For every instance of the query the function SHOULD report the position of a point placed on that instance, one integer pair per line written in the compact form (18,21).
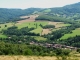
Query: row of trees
(54,18)
(47,26)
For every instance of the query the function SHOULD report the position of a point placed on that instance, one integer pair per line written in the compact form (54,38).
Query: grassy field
(47,10)
(65,25)
(39,38)
(3,26)
(39,29)
(3,36)
(29,24)
(74,33)
(55,29)
(25,24)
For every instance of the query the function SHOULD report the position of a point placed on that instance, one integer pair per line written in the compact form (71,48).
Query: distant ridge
(7,14)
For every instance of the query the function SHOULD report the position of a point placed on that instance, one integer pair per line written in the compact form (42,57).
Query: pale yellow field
(26,58)
(35,58)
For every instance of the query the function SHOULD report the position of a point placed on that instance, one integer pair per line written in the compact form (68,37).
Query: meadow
(74,33)
(2,26)
(39,38)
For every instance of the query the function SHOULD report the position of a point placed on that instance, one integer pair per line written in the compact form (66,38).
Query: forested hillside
(69,11)
(8,15)
(73,8)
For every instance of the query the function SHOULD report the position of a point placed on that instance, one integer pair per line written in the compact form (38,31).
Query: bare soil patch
(46,31)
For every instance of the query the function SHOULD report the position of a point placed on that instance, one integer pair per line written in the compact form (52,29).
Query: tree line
(19,32)
(54,18)
(47,26)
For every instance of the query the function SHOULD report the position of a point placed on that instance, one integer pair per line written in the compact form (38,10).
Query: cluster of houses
(53,45)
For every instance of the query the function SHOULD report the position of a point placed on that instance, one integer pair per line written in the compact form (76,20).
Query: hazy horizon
(23,4)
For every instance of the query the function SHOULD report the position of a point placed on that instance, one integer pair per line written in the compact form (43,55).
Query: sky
(23,4)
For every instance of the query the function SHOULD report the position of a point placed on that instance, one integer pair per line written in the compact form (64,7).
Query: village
(54,45)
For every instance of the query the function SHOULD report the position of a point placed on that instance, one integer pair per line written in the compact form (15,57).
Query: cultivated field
(39,38)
